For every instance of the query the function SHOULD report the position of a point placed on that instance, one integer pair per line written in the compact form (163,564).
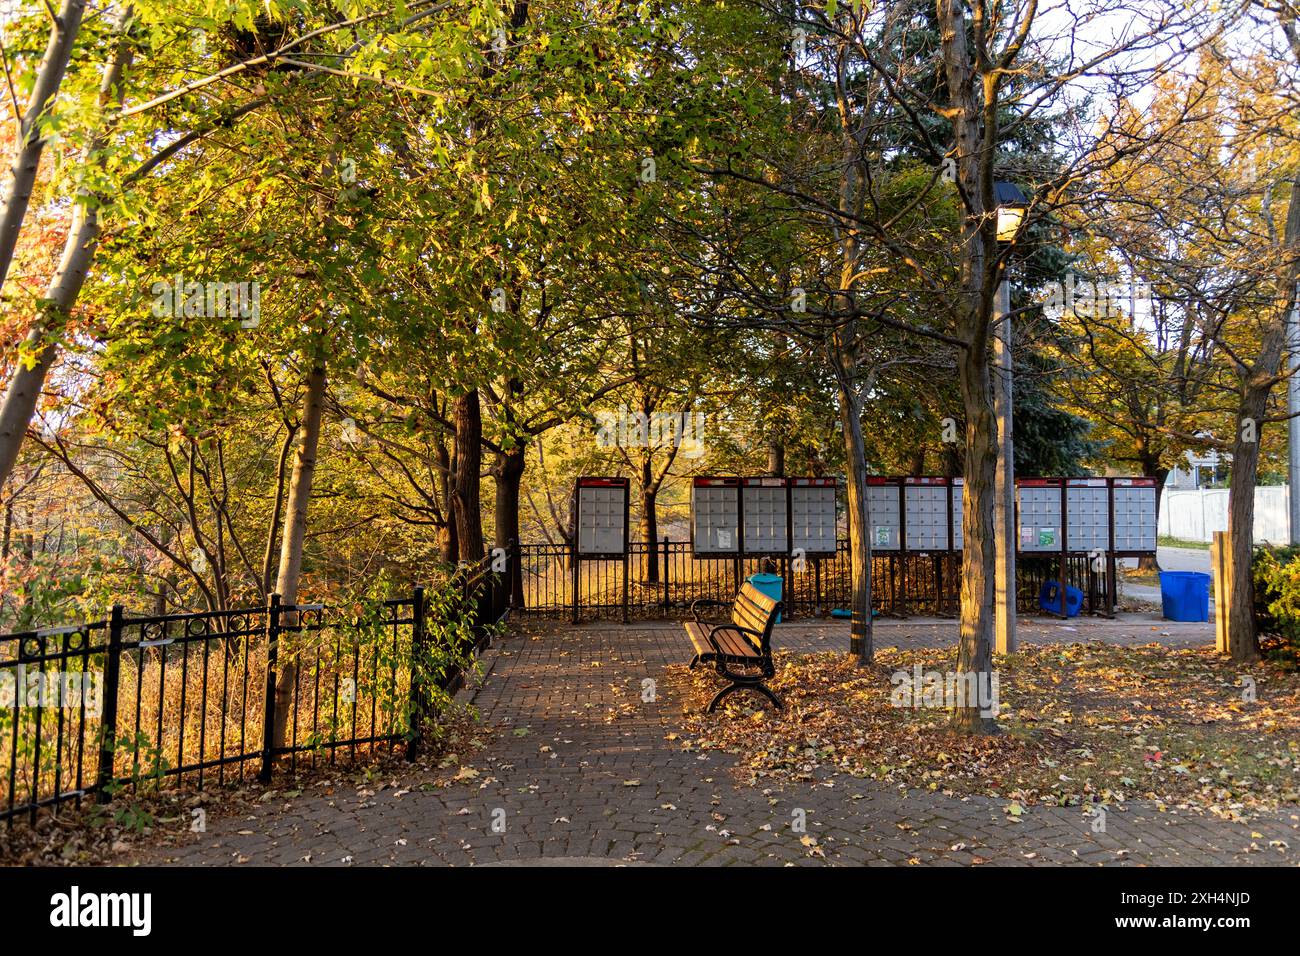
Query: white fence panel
(1195,514)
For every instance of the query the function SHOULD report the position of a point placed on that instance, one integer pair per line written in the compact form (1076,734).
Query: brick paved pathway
(581,769)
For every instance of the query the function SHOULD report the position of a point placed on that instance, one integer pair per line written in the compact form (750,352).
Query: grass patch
(1081,724)
(1165,541)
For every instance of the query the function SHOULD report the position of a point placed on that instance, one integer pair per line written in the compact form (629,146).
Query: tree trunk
(775,458)
(447,541)
(917,464)
(277,512)
(509,476)
(27,157)
(973,95)
(1243,646)
(975,647)
(25,386)
(1151,469)
(295,535)
(1257,382)
(649,491)
(468,420)
(650,533)
(950,460)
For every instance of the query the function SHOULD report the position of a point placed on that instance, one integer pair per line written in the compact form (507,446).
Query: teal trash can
(769,584)
(1185,595)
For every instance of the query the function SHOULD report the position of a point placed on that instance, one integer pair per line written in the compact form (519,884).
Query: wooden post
(1222,597)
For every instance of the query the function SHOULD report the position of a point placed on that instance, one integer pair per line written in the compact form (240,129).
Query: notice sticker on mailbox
(1039,509)
(884,505)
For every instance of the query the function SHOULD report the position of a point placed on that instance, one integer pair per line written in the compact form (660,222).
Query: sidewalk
(584,771)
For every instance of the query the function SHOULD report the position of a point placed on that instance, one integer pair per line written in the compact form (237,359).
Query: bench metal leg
(694,660)
(732,688)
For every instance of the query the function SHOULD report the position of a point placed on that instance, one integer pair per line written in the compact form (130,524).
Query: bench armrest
(704,602)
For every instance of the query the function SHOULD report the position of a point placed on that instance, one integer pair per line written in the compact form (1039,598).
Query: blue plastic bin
(769,584)
(1185,595)
(1049,599)
(845,612)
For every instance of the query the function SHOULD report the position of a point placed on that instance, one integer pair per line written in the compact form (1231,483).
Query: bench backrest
(756,611)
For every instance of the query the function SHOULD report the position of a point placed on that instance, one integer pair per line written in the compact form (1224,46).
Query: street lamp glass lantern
(1012,204)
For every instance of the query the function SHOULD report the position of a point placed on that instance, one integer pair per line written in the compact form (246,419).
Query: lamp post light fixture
(1011,208)
(1012,205)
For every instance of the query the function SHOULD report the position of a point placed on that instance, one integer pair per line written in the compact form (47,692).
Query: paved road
(583,771)
(1184,559)
(1170,559)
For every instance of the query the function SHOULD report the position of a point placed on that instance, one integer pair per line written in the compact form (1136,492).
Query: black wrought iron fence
(94,708)
(665,579)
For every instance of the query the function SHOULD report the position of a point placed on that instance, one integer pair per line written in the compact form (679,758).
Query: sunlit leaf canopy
(486,223)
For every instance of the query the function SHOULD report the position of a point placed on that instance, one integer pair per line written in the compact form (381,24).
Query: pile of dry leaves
(1081,723)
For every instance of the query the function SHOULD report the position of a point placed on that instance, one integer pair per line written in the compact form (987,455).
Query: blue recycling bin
(1049,599)
(1185,595)
(769,584)
(846,613)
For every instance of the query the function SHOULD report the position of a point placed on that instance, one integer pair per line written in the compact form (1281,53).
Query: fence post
(108,723)
(472,598)
(463,569)
(664,573)
(417,672)
(817,586)
(573,562)
(268,705)
(514,574)
(626,569)
(1112,583)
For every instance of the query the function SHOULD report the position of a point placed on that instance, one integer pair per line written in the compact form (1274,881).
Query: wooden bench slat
(735,644)
(753,609)
(749,618)
(731,642)
(698,635)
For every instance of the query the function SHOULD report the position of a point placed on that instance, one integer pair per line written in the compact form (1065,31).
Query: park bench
(740,649)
